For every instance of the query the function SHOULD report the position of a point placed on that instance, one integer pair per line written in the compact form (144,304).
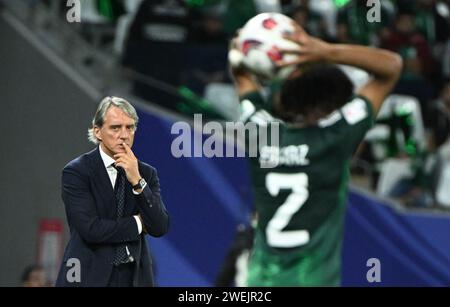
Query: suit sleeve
(82,214)
(151,207)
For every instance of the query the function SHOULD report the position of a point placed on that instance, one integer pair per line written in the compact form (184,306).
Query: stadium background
(52,76)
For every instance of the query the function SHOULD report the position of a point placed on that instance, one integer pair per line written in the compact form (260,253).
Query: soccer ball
(260,42)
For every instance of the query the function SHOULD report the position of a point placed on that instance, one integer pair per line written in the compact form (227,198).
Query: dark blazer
(94,229)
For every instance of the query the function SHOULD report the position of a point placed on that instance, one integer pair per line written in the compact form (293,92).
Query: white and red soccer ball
(260,42)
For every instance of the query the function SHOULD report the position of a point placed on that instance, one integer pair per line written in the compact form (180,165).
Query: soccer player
(300,203)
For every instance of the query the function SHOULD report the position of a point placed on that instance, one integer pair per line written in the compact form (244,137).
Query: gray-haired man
(111,199)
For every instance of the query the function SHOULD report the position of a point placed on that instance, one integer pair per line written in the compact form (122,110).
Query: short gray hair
(103,107)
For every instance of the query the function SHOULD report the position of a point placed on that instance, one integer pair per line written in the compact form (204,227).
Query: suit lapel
(104,184)
(106,189)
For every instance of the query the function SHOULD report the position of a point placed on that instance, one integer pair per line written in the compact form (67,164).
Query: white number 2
(298,183)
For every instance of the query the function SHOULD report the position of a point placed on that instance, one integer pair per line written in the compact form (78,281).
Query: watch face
(142,182)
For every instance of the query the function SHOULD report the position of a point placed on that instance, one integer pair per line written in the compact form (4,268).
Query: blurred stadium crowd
(174,53)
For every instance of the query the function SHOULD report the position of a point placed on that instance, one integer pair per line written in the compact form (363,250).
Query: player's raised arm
(384,66)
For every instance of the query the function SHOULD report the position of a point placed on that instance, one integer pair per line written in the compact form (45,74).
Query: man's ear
(97,133)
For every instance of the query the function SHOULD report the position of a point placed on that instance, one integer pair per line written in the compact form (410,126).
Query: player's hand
(311,49)
(244,80)
(236,59)
(128,161)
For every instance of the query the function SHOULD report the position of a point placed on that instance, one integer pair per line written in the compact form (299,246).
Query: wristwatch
(140,185)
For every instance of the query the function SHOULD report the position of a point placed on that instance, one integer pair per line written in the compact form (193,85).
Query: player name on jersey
(272,156)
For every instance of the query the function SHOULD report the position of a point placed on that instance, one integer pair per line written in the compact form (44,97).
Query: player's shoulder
(254,109)
(251,102)
(356,110)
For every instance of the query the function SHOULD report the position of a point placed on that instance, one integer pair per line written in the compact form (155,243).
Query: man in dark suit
(111,201)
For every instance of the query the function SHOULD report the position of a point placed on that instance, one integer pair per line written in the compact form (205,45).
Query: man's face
(117,128)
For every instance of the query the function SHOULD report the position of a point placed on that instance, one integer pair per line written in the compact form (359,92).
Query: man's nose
(124,133)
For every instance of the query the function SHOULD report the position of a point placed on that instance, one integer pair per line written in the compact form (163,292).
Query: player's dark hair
(319,90)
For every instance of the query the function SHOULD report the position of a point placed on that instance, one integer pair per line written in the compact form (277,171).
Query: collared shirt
(112,174)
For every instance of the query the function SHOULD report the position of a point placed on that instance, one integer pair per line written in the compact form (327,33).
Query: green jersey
(300,188)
